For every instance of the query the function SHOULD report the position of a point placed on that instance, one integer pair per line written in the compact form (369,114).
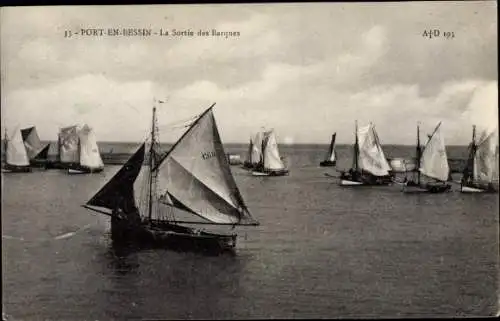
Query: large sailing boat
(370,166)
(16,157)
(254,151)
(331,156)
(37,152)
(193,178)
(432,162)
(481,170)
(88,159)
(271,163)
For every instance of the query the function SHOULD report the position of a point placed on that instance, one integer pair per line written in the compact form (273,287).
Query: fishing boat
(370,166)
(481,170)
(254,151)
(193,178)
(87,158)
(37,152)
(272,163)
(16,157)
(331,156)
(432,163)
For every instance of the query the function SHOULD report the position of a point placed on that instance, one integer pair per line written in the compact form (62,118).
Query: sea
(321,251)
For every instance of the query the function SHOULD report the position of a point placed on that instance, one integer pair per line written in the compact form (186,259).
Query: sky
(306,70)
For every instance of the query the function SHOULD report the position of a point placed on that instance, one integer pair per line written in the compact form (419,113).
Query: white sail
(68,145)
(272,159)
(486,158)
(197,176)
(371,157)
(32,141)
(256,155)
(89,151)
(16,152)
(434,162)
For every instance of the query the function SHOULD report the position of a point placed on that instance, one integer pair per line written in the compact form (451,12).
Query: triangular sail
(434,161)
(68,145)
(486,158)
(250,148)
(89,151)
(197,176)
(371,157)
(16,152)
(272,159)
(331,156)
(256,156)
(32,142)
(119,191)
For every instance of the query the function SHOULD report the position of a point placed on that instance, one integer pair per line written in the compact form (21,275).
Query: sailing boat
(331,157)
(37,152)
(254,151)
(88,157)
(481,169)
(431,162)
(272,163)
(193,178)
(370,166)
(16,157)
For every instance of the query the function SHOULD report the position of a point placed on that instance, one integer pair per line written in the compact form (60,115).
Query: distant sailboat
(37,152)
(193,178)
(331,157)
(88,156)
(432,162)
(481,170)
(16,157)
(271,163)
(370,166)
(255,149)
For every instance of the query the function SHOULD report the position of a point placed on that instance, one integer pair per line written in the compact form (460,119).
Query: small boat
(254,151)
(432,162)
(370,166)
(16,157)
(37,152)
(87,159)
(193,179)
(481,170)
(272,163)
(331,156)
(234,159)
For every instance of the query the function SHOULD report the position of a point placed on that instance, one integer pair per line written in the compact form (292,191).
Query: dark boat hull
(78,169)
(327,163)
(15,169)
(362,179)
(281,172)
(248,165)
(437,188)
(170,236)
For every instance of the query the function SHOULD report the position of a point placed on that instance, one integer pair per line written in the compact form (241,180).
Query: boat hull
(76,170)
(281,172)
(364,180)
(328,163)
(347,182)
(15,169)
(477,188)
(411,188)
(170,236)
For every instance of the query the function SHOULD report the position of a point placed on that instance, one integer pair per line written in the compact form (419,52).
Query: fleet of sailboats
(331,156)
(481,171)
(193,178)
(369,165)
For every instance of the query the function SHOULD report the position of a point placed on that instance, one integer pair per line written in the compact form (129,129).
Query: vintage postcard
(250,161)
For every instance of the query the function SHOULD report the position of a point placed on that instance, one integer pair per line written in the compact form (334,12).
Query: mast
(356,146)
(151,164)
(5,143)
(419,152)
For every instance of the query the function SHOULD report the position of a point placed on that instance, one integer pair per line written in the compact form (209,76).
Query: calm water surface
(321,251)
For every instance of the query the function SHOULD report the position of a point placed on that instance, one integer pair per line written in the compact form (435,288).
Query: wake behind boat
(370,166)
(193,178)
(432,162)
(481,169)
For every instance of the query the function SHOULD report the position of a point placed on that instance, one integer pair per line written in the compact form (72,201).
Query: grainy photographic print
(250,161)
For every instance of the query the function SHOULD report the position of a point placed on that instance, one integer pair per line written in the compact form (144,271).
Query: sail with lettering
(272,163)
(481,171)
(16,158)
(331,156)
(193,179)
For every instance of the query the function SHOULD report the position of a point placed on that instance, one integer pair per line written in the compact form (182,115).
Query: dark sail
(26,132)
(44,153)
(119,191)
